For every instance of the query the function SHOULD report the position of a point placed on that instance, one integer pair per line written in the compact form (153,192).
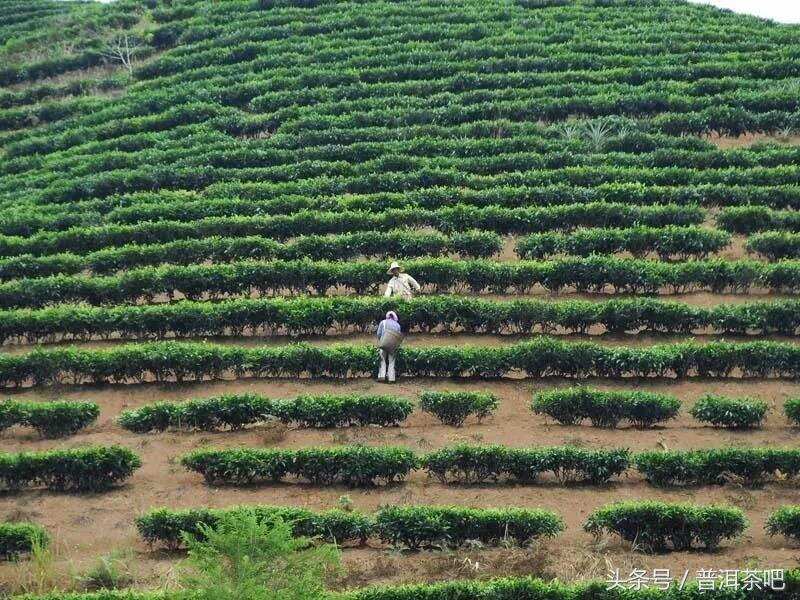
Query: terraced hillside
(199,200)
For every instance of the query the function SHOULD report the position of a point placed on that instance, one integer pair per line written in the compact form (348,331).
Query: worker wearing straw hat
(401,285)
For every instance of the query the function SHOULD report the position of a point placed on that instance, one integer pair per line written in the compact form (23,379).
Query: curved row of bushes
(21,538)
(339,315)
(361,466)
(49,419)
(396,244)
(594,274)
(320,411)
(668,242)
(567,406)
(245,199)
(93,468)
(315,176)
(451,220)
(401,526)
(236,411)
(644,409)
(541,357)
(652,526)
(238,197)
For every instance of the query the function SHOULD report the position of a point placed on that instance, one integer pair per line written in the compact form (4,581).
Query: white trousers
(386,370)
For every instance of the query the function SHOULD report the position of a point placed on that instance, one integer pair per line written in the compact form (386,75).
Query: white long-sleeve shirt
(403,286)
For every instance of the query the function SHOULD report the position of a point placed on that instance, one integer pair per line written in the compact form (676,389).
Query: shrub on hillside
(233,411)
(11,413)
(735,413)
(453,408)
(659,526)
(153,417)
(329,410)
(464,463)
(94,468)
(748,466)
(792,410)
(60,419)
(357,466)
(49,419)
(605,409)
(20,538)
(785,521)
(168,527)
(424,526)
(475,464)
(237,411)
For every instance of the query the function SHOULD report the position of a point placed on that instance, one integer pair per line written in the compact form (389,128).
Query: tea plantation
(199,201)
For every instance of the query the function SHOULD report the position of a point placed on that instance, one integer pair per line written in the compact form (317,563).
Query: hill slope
(325,98)
(178,177)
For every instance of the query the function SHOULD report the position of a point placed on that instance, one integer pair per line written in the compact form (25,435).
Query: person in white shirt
(401,285)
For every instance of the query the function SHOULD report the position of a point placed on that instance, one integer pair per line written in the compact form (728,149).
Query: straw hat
(393,266)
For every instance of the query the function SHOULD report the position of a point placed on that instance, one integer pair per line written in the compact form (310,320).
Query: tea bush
(232,411)
(424,526)
(356,466)
(658,526)
(792,410)
(735,413)
(167,527)
(89,469)
(237,411)
(336,315)
(475,464)
(49,419)
(785,521)
(20,538)
(668,242)
(605,408)
(453,408)
(330,410)
(749,466)
(540,357)
(774,245)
